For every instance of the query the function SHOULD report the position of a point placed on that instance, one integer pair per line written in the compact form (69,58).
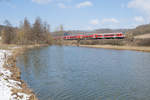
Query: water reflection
(73,73)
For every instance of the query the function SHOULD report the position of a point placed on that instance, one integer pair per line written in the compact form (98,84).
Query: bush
(142,42)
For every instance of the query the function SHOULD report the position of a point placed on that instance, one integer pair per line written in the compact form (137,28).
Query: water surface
(75,73)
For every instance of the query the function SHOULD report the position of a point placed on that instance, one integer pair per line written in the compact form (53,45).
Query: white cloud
(41,1)
(84,4)
(61,5)
(104,23)
(94,22)
(110,20)
(139,19)
(142,5)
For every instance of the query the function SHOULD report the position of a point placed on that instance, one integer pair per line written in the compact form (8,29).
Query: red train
(96,36)
(92,36)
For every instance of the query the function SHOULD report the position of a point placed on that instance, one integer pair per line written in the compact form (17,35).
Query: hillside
(140,30)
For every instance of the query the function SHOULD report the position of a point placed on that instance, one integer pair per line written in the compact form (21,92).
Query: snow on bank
(7,84)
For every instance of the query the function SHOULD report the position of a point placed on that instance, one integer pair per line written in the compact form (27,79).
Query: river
(78,73)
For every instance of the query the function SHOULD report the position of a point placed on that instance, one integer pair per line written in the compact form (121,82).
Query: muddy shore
(19,89)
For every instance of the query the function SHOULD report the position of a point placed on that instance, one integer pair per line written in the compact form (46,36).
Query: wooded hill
(140,30)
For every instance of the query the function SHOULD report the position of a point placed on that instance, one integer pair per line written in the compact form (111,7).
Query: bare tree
(37,30)
(27,31)
(7,33)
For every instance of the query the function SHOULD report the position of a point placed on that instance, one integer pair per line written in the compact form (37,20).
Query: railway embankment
(11,85)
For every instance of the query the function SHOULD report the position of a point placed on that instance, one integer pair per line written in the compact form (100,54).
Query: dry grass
(7,47)
(135,48)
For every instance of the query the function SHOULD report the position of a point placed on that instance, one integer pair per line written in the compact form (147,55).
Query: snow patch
(7,84)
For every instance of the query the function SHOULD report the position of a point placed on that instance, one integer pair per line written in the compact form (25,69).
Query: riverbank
(118,44)
(134,48)
(11,85)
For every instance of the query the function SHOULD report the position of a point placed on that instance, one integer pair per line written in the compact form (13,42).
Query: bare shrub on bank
(8,33)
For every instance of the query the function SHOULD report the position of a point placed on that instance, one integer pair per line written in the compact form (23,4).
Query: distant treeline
(37,33)
(111,30)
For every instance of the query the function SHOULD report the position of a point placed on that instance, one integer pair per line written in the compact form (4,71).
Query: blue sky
(78,14)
